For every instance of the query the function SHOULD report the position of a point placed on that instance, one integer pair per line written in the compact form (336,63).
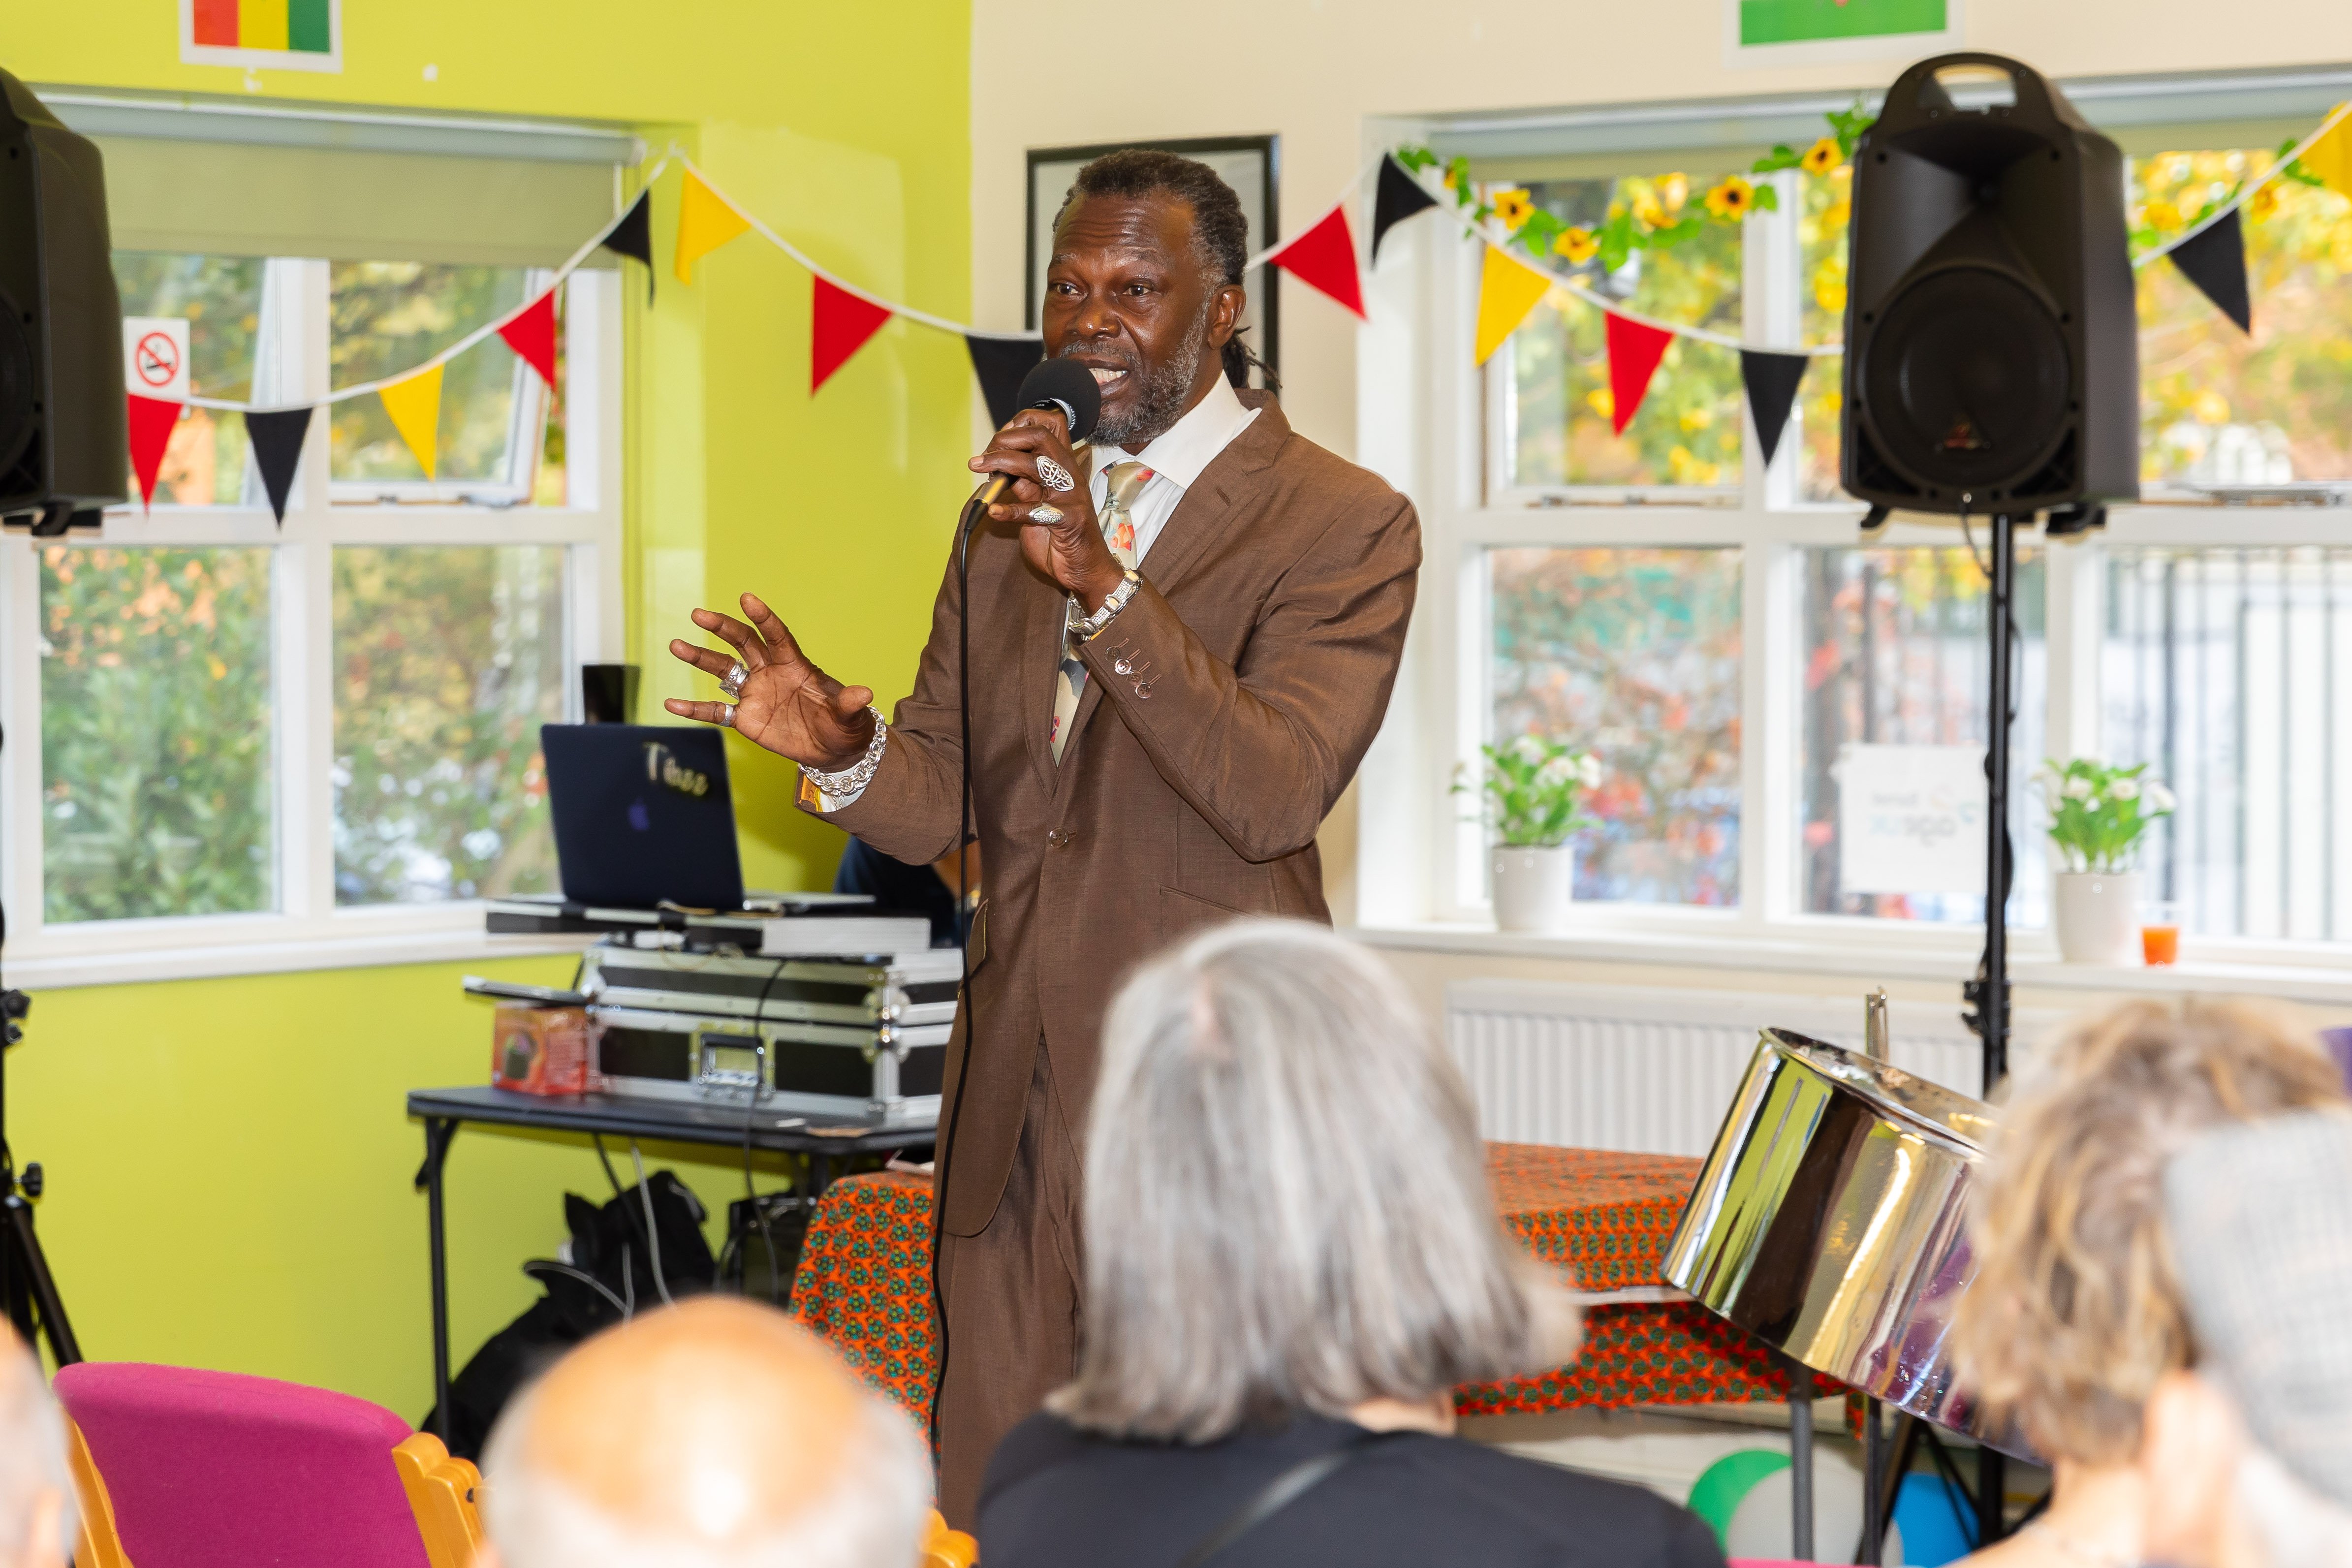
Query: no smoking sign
(155,357)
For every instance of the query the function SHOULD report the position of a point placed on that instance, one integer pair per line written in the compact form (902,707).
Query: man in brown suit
(1176,668)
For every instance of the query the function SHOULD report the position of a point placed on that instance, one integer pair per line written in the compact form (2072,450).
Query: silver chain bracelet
(852,779)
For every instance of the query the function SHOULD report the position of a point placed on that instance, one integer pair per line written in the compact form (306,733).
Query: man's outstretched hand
(788,705)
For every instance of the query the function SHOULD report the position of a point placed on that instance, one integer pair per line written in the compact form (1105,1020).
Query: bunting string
(496,324)
(2277,170)
(844,315)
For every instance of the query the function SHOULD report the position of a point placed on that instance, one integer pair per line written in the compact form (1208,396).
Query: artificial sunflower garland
(1732,200)
(1655,220)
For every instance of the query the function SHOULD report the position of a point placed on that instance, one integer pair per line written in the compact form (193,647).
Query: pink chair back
(213,1470)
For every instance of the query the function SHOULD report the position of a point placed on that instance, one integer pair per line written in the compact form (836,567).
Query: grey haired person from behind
(2248,1453)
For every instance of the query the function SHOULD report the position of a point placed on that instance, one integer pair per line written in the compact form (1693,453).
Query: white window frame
(1422,406)
(526,412)
(308,930)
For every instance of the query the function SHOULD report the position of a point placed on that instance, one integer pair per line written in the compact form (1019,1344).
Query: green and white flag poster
(1793,31)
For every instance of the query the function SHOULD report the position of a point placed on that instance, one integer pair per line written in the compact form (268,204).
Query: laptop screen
(642,815)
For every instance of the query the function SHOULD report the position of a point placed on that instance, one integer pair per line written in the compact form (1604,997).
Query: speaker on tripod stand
(1992,369)
(64,455)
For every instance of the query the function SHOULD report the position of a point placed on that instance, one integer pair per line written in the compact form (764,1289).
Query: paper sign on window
(1911,819)
(155,357)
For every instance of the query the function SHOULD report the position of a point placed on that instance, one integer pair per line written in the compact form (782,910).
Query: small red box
(540,1050)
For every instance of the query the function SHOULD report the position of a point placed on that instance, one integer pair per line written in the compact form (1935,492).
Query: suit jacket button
(1121,665)
(1058,840)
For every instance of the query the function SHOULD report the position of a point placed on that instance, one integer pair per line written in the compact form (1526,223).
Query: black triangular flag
(1398,197)
(633,236)
(2214,258)
(1000,362)
(1771,380)
(276,437)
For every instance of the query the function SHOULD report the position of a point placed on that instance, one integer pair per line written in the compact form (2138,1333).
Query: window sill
(340,950)
(1837,955)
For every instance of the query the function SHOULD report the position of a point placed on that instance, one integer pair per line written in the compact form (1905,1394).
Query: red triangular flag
(531,334)
(152,419)
(1635,349)
(1325,258)
(839,324)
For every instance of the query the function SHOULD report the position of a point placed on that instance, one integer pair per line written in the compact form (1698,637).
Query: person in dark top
(1291,1254)
(893,885)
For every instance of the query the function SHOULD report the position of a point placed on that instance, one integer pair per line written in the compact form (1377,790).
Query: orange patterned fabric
(1607,1216)
(865,1280)
(864,1283)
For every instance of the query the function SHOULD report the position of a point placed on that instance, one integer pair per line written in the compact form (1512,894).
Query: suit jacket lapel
(1219,499)
(1037,657)
(1213,505)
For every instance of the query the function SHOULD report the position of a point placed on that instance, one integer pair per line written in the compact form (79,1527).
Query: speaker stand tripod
(1887,1455)
(27,1287)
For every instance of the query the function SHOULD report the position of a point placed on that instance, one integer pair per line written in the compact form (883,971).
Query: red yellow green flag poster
(1779,31)
(271,35)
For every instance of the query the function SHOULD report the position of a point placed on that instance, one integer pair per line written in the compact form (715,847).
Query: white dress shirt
(1177,459)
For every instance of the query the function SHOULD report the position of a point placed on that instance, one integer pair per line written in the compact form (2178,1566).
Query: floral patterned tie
(1127,482)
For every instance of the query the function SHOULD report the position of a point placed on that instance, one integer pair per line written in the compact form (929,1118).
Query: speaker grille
(1966,382)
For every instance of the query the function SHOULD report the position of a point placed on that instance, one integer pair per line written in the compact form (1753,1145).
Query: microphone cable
(965,522)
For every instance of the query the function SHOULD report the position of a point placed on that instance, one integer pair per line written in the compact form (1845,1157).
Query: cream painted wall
(1317,72)
(1323,74)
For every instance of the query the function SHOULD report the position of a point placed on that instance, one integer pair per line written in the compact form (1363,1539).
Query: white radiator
(1652,1072)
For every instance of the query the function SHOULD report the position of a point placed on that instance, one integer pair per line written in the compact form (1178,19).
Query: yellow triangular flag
(704,223)
(1507,290)
(2330,157)
(415,405)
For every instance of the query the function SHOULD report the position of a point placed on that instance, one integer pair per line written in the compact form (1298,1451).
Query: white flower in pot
(1532,792)
(2098,815)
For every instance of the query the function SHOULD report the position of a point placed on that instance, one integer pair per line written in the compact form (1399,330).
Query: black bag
(610,1275)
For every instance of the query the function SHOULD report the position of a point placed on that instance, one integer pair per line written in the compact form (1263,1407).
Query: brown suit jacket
(1242,683)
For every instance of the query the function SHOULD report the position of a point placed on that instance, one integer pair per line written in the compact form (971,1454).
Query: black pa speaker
(63,443)
(1992,358)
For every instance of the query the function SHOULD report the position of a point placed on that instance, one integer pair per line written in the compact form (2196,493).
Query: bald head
(714,1433)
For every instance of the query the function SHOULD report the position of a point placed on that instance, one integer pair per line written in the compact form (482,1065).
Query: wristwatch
(1089,628)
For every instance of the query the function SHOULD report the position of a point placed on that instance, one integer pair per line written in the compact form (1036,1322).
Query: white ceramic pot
(2098,916)
(1533,887)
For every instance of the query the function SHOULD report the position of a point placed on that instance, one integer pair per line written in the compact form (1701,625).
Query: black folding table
(822,1136)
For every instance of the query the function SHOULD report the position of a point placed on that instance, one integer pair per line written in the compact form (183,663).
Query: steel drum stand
(1886,1456)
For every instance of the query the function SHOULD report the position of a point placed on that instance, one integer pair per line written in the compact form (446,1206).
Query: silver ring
(732,682)
(1041,512)
(727,715)
(1055,477)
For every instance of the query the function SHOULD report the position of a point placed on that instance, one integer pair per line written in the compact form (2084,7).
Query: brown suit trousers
(1244,681)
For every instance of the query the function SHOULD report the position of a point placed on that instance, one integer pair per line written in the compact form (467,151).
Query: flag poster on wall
(269,35)
(1789,32)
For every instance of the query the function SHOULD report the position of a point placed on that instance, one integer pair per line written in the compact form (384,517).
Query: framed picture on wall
(1248,164)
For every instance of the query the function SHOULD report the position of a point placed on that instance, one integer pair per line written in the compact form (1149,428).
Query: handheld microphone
(1060,383)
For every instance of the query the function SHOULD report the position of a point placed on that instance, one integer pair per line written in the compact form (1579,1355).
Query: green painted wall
(229,1160)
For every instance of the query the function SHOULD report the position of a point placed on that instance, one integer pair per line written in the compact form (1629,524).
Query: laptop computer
(642,815)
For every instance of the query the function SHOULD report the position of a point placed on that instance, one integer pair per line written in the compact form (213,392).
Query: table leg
(438,1130)
(820,1174)
(1801,1463)
(1992,1496)
(1873,1485)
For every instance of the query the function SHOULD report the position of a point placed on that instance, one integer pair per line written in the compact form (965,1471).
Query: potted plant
(1530,794)
(2098,816)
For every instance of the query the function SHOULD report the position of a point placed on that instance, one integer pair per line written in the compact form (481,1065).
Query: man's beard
(1166,386)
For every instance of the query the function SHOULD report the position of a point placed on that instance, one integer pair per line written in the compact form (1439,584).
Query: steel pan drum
(1827,1221)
